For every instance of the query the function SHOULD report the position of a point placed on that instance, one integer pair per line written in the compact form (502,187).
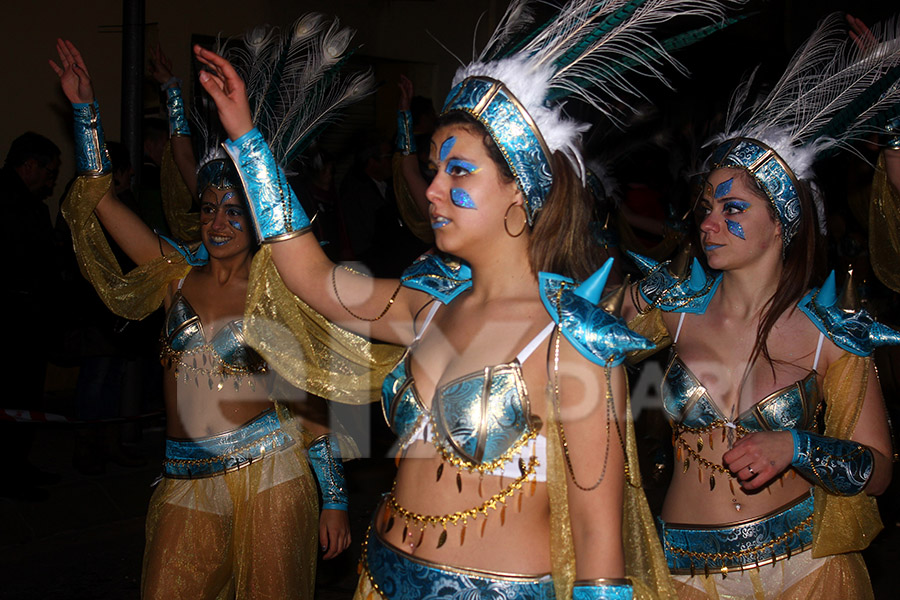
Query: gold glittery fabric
(306,349)
(844,523)
(177,201)
(651,326)
(800,578)
(884,229)
(249,533)
(133,295)
(407,205)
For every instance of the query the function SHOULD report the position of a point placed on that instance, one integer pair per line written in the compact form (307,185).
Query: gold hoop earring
(506,221)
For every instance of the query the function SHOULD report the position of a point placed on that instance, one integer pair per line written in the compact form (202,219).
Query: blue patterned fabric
(602,591)
(218,173)
(406,141)
(277,213)
(599,336)
(661,289)
(325,457)
(178,123)
(514,132)
(855,331)
(214,455)
(687,402)
(701,549)
(91,156)
(771,172)
(841,467)
(438,277)
(400,576)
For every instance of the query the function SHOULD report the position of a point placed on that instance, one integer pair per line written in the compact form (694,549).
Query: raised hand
(406,92)
(160,65)
(227,90)
(73,74)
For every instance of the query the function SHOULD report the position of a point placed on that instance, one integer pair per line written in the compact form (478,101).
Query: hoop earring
(506,221)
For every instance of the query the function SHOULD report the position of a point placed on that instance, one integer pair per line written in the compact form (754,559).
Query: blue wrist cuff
(276,211)
(325,457)
(406,141)
(91,156)
(178,123)
(603,589)
(796,441)
(841,467)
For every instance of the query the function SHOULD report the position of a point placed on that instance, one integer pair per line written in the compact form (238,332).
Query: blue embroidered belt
(738,546)
(399,576)
(224,452)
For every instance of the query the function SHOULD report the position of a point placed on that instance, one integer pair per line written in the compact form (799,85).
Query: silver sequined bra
(184,344)
(479,421)
(688,403)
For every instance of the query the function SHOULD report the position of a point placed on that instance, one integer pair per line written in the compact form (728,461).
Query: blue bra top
(480,421)
(183,336)
(688,403)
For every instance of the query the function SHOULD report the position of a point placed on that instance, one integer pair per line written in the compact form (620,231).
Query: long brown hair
(803,263)
(561,240)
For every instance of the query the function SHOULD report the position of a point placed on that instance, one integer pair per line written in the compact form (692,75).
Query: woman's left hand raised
(759,457)
(334,532)
(227,90)
(73,73)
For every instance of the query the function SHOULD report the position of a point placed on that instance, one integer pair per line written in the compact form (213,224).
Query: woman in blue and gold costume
(779,428)
(515,453)
(236,513)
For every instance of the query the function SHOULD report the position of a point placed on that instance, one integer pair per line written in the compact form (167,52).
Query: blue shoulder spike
(443,279)
(592,288)
(660,289)
(856,332)
(827,295)
(644,264)
(698,276)
(599,336)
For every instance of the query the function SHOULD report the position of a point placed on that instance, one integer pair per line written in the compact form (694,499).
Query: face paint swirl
(459,196)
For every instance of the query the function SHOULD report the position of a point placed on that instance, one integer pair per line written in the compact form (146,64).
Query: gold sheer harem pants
(249,533)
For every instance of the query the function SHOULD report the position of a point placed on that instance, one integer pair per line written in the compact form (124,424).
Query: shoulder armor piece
(195,254)
(855,331)
(600,337)
(661,289)
(439,277)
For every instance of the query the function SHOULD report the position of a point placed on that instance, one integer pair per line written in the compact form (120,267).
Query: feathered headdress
(833,93)
(295,83)
(591,50)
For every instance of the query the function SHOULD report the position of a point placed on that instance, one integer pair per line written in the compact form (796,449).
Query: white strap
(180,283)
(680,323)
(535,342)
(818,350)
(431,312)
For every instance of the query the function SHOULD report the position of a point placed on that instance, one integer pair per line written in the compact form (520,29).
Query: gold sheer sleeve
(133,295)
(884,229)
(844,523)
(645,563)
(177,200)
(309,351)
(407,205)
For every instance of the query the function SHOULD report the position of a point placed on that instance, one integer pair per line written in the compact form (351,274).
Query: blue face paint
(735,228)
(735,207)
(723,188)
(236,225)
(227,196)
(460,167)
(446,147)
(461,198)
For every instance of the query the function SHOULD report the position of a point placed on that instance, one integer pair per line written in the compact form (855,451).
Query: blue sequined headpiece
(220,174)
(773,174)
(514,132)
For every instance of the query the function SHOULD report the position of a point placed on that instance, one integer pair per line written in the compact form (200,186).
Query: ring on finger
(752,472)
